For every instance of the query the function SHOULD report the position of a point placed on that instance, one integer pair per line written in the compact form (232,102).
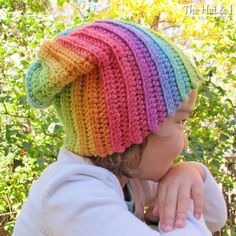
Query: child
(122,93)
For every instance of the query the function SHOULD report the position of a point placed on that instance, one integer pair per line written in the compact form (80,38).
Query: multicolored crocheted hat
(112,83)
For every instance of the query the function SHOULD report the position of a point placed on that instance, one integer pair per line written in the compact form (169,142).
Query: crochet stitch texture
(112,82)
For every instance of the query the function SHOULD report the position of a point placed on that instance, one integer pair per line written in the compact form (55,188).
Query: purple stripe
(148,73)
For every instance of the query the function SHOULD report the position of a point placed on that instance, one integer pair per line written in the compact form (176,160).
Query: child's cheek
(176,145)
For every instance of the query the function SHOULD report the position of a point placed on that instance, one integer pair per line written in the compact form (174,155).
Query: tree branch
(155,22)
(171,26)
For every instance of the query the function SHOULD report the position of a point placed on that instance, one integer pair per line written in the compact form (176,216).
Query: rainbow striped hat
(112,83)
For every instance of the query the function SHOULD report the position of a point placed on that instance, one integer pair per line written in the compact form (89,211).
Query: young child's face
(161,151)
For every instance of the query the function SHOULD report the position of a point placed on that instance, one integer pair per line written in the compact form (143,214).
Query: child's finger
(155,210)
(159,202)
(168,210)
(197,196)
(182,206)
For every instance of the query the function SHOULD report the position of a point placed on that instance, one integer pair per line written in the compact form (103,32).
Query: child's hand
(181,183)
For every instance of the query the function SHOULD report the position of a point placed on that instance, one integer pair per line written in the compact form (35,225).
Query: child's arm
(182,182)
(214,208)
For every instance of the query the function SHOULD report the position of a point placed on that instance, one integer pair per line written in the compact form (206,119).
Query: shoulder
(72,197)
(62,177)
(87,200)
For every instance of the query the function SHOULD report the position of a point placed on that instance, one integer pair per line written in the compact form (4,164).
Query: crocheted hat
(112,83)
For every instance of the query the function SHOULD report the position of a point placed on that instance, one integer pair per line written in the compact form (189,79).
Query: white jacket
(73,197)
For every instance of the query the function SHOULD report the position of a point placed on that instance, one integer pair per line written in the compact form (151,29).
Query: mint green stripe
(182,76)
(195,76)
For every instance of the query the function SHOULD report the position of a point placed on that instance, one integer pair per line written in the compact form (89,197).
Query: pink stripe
(133,80)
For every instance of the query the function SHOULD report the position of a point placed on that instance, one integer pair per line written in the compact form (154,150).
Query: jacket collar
(88,168)
(66,155)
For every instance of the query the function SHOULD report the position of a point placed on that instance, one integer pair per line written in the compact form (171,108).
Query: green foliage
(35,5)
(30,139)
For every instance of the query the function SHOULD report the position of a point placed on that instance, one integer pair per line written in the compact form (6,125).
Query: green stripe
(195,76)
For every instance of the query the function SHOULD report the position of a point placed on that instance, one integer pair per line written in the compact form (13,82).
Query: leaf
(223,137)
(57,129)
